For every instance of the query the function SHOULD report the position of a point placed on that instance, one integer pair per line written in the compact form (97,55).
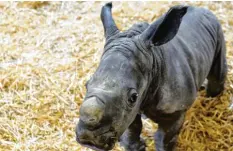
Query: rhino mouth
(101,139)
(100,143)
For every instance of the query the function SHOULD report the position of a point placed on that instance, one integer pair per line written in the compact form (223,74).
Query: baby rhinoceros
(155,70)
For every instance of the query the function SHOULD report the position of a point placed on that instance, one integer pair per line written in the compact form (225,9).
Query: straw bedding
(49,49)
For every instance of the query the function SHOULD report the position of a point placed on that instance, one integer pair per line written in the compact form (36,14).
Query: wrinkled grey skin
(155,70)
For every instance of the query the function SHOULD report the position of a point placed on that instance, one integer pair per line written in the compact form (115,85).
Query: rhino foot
(134,146)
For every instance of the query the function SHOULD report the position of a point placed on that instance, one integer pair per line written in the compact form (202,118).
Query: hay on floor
(49,49)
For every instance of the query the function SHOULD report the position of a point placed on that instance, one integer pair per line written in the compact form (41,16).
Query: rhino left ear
(163,30)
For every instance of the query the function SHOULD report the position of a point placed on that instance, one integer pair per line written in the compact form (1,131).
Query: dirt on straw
(49,49)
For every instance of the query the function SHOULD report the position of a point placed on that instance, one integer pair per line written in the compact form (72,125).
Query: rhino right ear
(163,30)
(110,27)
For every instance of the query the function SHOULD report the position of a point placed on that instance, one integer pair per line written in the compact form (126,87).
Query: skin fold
(155,70)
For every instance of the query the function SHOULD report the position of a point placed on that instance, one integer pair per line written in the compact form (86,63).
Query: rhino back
(187,60)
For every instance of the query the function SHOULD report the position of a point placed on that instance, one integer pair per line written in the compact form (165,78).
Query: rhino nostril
(92,120)
(82,137)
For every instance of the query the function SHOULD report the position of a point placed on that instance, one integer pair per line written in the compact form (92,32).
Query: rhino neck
(159,67)
(156,76)
(154,65)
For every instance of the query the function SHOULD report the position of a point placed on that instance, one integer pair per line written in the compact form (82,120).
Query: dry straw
(49,49)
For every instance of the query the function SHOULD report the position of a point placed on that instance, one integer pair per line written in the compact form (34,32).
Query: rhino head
(118,87)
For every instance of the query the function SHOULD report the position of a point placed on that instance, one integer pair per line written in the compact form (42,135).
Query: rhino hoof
(134,146)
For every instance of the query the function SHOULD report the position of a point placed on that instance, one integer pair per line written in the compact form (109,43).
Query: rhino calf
(155,70)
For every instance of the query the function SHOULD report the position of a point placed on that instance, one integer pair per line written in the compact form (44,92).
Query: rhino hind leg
(217,74)
(168,131)
(214,88)
(131,139)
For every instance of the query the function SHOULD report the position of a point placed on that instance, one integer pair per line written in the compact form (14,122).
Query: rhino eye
(133,98)
(133,95)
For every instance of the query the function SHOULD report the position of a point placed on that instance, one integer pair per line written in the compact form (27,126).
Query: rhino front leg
(168,131)
(131,139)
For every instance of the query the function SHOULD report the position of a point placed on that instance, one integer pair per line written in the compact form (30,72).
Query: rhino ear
(163,30)
(110,27)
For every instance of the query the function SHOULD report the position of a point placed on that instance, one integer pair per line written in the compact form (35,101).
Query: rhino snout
(92,111)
